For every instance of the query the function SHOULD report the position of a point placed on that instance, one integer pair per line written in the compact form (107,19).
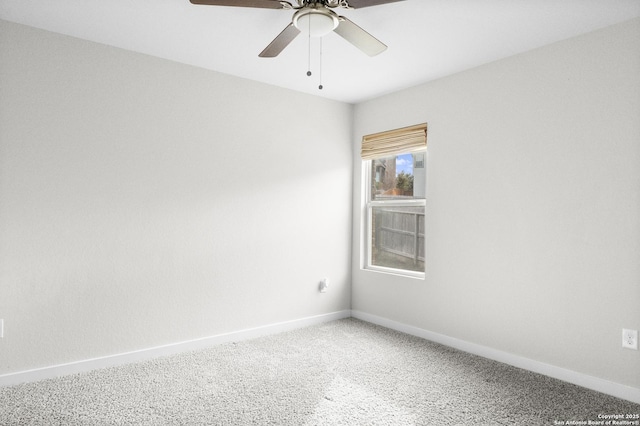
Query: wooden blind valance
(392,142)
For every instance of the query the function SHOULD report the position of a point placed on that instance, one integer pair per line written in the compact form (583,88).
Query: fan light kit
(315,19)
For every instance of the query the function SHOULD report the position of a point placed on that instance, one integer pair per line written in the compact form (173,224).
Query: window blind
(385,144)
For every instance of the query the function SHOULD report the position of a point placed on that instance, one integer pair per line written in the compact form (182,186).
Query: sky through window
(404,163)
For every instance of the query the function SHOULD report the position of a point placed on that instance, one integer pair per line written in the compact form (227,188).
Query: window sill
(396,272)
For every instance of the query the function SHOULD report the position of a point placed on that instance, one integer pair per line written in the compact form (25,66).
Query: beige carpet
(346,372)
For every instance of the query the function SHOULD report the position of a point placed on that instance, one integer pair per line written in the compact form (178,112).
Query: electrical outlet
(324,285)
(630,339)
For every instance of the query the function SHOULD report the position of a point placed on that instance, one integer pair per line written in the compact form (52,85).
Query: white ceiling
(427,39)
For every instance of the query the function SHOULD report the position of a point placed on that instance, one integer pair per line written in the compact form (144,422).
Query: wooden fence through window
(399,231)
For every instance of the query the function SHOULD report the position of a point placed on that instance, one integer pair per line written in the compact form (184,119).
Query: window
(395,164)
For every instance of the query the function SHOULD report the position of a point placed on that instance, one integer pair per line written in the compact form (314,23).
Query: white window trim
(367,216)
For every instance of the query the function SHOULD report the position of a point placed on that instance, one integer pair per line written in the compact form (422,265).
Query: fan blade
(280,42)
(359,4)
(359,37)
(262,4)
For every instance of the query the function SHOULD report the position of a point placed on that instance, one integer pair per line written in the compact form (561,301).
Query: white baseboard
(171,349)
(610,388)
(604,386)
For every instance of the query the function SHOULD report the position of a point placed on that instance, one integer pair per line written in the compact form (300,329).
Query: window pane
(400,176)
(398,237)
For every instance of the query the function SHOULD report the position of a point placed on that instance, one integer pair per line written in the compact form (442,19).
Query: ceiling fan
(315,18)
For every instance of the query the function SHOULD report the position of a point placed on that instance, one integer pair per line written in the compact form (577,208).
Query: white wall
(533,205)
(144,202)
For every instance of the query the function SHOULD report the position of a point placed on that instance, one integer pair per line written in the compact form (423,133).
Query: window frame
(370,204)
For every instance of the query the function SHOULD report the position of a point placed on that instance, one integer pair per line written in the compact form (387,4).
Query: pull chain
(309,49)
(309,73)
(320,86)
